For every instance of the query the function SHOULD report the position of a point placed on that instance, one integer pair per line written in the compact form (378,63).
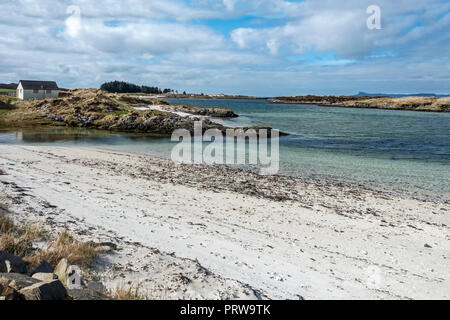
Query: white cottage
(27,90)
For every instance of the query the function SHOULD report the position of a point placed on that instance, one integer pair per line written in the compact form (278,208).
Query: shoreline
(417,104)
(316,179)
(203,232)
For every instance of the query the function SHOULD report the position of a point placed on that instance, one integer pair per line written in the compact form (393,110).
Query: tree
(125,87)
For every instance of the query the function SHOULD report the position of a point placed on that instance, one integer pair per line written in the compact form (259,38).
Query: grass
(66,246)
(123,292)
(18,240)
(7,90)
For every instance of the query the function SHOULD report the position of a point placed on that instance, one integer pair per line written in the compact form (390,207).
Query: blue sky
(255,47)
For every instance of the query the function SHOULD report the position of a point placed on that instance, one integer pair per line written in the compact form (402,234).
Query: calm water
(407,151)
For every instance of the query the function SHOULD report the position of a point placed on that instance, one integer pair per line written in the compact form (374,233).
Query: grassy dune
(71,108)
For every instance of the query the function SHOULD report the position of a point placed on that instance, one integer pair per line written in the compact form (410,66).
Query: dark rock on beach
(11,263)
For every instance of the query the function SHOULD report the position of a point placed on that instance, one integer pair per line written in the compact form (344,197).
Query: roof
(42,85)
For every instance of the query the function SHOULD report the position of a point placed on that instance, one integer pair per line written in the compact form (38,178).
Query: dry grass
(18,240)
(6,224)
(65,246)
(103,107)
(123,292)
(406,103)
(7,102)
(4,203)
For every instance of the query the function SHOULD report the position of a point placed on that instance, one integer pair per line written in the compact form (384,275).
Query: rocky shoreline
(423,104)
(44,283)
(96,109)
(213,112)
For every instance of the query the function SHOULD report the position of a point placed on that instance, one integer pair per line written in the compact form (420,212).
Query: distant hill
(432,95)
(12,86)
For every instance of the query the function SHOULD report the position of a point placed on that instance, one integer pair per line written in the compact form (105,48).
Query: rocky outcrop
(44,267)
(16,281)
(62,271)
(45,276)
(50,290)
(148,122)
(427,104)
(11,263)
(311,99)
(48,286)
(9,293)
(213,112)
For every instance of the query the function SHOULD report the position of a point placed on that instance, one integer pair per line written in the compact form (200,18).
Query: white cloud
(173,44)
(73,23)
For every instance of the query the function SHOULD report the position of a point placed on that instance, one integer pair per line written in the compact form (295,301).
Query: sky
(253,47)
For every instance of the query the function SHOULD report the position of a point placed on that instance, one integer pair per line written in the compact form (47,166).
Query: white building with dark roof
(28,89)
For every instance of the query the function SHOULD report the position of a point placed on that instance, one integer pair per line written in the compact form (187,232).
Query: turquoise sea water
(395,150)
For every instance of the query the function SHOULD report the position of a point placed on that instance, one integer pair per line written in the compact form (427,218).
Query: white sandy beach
(198,232)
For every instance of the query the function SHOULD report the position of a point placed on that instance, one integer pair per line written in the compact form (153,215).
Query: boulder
(105,247)
(96,286)
(44,267)
(62,271)
(51,290)
(8,293)
(86,294)
(16,281)
(45,276)
(5,266)
(11,263)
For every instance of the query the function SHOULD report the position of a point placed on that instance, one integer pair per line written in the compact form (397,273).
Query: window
(35,91)
(49,91)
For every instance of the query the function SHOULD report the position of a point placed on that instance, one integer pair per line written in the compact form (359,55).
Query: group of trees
(125,87)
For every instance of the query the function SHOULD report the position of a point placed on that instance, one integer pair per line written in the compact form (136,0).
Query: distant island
(410,103)
(396,95)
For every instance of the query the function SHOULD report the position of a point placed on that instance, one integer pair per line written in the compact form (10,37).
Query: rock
(61,271)
(52,290)
(8,293)
(45,276)
(428,246)
(44,267)
(86,294)
(5,266)
(96,286)
(16,264)
(103,249)
(16,280)
(111,246)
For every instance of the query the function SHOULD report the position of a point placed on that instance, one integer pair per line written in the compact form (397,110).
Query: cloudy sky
(256,47)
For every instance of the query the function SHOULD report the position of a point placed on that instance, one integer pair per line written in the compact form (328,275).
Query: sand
(213,233)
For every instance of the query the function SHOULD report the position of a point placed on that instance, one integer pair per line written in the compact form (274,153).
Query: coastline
(233,234)
(419,104)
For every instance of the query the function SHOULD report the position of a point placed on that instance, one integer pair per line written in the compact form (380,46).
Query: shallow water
(395,150)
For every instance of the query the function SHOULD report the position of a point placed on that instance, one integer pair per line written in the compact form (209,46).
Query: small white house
(27,90)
